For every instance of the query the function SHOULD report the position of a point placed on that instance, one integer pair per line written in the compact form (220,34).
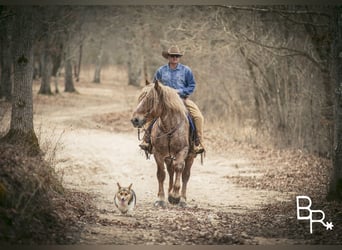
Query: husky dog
(125,199)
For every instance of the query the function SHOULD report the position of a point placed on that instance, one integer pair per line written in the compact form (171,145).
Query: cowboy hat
(173,50)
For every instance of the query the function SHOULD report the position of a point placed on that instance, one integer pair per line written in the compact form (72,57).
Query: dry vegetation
(37,209)
(264,84)
(34,206)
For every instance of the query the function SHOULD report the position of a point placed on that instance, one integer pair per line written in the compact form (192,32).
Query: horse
(170,138)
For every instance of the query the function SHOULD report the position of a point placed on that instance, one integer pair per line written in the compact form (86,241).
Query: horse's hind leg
(161,177)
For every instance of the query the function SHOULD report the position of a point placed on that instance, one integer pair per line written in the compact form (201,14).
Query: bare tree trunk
(98,63)
(56,80)
(56,64)
(78,68)
(135,66)
(75,69)
(45,87)
(336,180)
(256,91)
(21,127)
(6,62)
(69,83)
(1,56)
(322,42)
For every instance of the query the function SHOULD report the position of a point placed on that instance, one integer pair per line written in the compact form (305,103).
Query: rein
(139,134)
(149,113)
(169,133)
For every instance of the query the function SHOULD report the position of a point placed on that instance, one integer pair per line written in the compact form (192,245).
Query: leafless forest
(268,76)
(264,74)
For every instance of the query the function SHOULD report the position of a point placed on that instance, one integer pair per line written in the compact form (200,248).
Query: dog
(125,199)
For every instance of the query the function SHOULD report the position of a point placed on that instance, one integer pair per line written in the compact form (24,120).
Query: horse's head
(147,108)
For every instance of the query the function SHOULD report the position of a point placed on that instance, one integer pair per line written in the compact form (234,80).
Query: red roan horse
(169,138)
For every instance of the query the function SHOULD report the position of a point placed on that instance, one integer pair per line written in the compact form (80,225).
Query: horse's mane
(170,99)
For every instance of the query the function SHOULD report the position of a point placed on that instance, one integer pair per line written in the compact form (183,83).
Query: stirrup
(147,147)
(144,145)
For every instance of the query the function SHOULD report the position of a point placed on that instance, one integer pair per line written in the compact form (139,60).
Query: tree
(80,41)
(21,127)
(47,21)
(46,61)
(98,61)
(55,31)
(319,101)
(106,19)
(57,54)
(335,191)
(79,62)
(69,83)
(68,55)
(5,57)
(133,43)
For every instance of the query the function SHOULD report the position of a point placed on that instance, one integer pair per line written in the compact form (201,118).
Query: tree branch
(294,52)
(302,22)
(5,17)
(278,11)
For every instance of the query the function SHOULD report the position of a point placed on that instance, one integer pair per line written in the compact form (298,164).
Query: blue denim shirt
(180,78)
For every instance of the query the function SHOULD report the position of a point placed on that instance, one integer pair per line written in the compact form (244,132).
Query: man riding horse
(180,77)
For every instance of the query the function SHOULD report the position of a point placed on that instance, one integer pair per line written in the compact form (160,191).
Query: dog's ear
(130,186)
(118,185)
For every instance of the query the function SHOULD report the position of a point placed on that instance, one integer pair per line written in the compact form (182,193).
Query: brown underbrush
(34,206)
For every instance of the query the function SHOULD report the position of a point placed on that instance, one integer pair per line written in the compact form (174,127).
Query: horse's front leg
(161,177)
(171,172)
(185,178)
(178,166)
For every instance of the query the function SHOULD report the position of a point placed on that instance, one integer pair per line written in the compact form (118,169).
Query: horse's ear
(156,85)
(147,82)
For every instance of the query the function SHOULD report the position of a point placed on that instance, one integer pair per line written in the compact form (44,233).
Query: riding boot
(198,146)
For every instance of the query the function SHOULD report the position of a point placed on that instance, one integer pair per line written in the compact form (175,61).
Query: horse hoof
(173,200)
(161,204)
(182,204)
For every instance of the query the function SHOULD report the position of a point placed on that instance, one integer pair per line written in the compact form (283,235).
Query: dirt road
(97,147)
